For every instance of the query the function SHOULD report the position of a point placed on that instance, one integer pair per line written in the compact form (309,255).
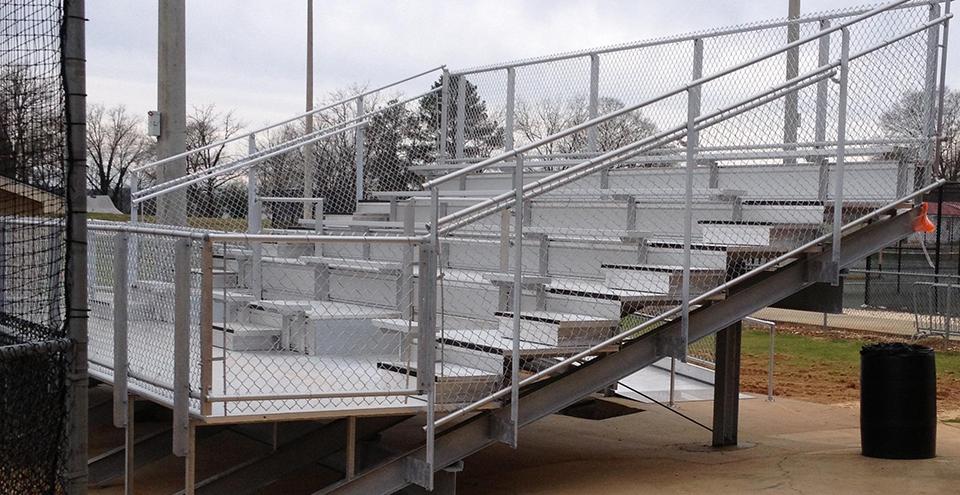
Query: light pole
(172,104)
(791,121)
(309,163)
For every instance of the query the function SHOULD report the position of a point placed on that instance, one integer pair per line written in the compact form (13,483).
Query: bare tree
(207,126)
(905,119)
(115,142)
(30,129)
(542,118)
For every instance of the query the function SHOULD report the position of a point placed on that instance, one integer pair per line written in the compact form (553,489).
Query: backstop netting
(33,347)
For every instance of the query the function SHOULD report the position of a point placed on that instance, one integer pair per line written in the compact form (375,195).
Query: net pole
(74,70)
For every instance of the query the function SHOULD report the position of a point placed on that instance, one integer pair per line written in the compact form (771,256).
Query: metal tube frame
(513,433)
(121,285)
(181,348)
(841,148)
(461,120)
(359,153)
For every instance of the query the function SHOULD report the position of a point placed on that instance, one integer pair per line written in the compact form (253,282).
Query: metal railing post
(511,111)
(318,225)
(461,116)
(359,152)
(820,115)
(134,248)
(841,151)
(693,111)
(121,285)
(929,116)
(407,287)
(427,338)
(444,131)
(254,223)
(791,114)
(517,304)
(770,365)
(181,348)
(206,326)
(593,105)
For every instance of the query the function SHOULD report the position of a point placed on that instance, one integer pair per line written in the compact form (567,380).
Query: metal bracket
(503,430)
(823,271)
(671,345)
(418,472)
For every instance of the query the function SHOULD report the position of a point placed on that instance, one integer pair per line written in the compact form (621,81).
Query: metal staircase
(568,384)
(484,289)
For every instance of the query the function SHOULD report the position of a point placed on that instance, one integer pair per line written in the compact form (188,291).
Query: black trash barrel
(898,401)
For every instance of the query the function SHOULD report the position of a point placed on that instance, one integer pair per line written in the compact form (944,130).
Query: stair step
(664,279)
(223,279)
(229,303)
(245,336)
(444,372)
(352,264)
(372,216)
(558,329)
(772,234)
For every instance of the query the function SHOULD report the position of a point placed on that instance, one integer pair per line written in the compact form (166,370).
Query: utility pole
(172,104)
(791,117)
(309,162)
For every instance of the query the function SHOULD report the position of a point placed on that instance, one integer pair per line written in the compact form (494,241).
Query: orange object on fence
(923,223)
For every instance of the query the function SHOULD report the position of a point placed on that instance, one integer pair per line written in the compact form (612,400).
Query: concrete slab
(799,447)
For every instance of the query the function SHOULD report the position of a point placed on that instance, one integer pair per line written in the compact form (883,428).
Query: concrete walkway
(799,447)
(888,322)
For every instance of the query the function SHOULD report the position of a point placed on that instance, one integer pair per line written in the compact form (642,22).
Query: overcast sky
(249,55)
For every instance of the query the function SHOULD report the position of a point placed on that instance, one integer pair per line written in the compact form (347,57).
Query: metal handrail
(715,33)
(229,140)
(681,89)
(101,226)
(588,167)
(285,199)
(247,161)
(771,361)
(676,309)
(677,154)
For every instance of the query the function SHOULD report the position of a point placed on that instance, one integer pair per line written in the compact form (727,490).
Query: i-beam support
(726,388)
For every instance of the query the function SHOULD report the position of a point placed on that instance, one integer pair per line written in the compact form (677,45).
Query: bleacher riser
(565,258)
(304,281)
(650,215)
(800,181)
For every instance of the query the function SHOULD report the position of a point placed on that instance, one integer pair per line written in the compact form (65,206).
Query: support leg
(726,391)
(444,482)
(190,461)
(129,442)
(351,450)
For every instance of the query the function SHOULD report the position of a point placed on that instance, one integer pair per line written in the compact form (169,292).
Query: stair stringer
(552,395)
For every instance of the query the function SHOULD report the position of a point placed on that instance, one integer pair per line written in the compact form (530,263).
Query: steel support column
(726,386)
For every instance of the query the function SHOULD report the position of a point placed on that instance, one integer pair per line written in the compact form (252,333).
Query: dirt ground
(833,382)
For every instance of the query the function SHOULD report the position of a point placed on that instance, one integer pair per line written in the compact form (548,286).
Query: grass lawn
(824,368)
